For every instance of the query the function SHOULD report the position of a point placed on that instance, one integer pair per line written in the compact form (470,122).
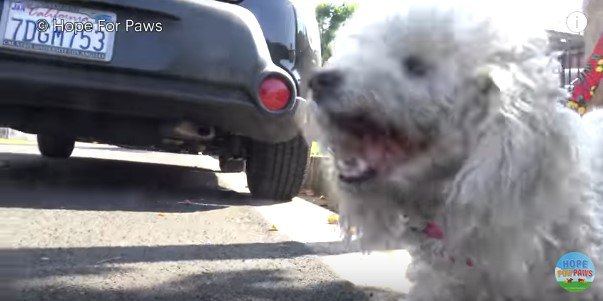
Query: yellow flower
(600,62)
(592,90)
(581,110)
(599,69)
(333,219)
(572,104)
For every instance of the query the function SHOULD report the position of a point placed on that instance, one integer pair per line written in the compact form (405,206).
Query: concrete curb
(16,141)
(307,223)
(315,177)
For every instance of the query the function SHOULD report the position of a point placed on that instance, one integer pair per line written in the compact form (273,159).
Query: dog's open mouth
(371,147)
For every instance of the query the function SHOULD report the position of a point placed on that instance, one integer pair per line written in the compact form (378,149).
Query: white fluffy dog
(448,140)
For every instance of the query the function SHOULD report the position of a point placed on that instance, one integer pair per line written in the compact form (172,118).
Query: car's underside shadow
(31,181)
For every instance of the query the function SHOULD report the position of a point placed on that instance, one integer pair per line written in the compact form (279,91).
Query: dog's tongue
(379,152)
(373,154)
(372,151)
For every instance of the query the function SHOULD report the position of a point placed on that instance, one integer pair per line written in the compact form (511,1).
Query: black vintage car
(223,78)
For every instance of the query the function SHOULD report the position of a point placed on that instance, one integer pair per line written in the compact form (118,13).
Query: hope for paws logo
(575,272)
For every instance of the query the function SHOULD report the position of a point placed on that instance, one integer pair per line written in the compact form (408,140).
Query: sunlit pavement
(305,222)
(116,224)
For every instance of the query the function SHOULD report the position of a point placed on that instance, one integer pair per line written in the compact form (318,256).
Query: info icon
(575,272)
(576,22)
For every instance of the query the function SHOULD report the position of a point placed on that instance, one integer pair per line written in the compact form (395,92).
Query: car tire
(231,165)
(276,171)
(52,146)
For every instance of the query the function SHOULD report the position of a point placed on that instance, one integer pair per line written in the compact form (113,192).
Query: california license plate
(57,29)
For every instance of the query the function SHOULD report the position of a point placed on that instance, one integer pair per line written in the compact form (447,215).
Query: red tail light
(274,94)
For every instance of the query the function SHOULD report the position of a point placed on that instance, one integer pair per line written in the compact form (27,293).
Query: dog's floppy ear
(485,84)
(478,97)
(492,79)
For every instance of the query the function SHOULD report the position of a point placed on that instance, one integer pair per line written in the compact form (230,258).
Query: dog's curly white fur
(442,115)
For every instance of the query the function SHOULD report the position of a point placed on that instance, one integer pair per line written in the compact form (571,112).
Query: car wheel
(276,171)
(231,165)
(55,146)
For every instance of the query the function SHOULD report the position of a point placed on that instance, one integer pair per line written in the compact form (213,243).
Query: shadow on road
(82,257)
(255,284)
(27,268)
(31,181)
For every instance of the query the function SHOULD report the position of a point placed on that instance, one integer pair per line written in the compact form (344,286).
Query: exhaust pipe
(207,134)
(189,131)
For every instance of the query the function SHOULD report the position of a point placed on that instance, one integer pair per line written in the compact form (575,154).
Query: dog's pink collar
(432,230)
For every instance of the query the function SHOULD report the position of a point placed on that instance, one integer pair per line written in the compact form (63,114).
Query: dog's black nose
(325,81)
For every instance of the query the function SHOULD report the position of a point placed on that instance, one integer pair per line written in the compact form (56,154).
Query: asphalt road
(114,224)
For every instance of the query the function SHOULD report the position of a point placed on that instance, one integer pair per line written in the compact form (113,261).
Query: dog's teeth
(352,167)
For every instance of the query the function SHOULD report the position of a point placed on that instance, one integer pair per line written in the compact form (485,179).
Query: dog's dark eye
(416,66)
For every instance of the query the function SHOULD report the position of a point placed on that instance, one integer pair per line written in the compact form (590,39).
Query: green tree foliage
(330,17)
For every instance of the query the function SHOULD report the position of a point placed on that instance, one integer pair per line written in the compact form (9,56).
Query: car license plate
(20,30)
